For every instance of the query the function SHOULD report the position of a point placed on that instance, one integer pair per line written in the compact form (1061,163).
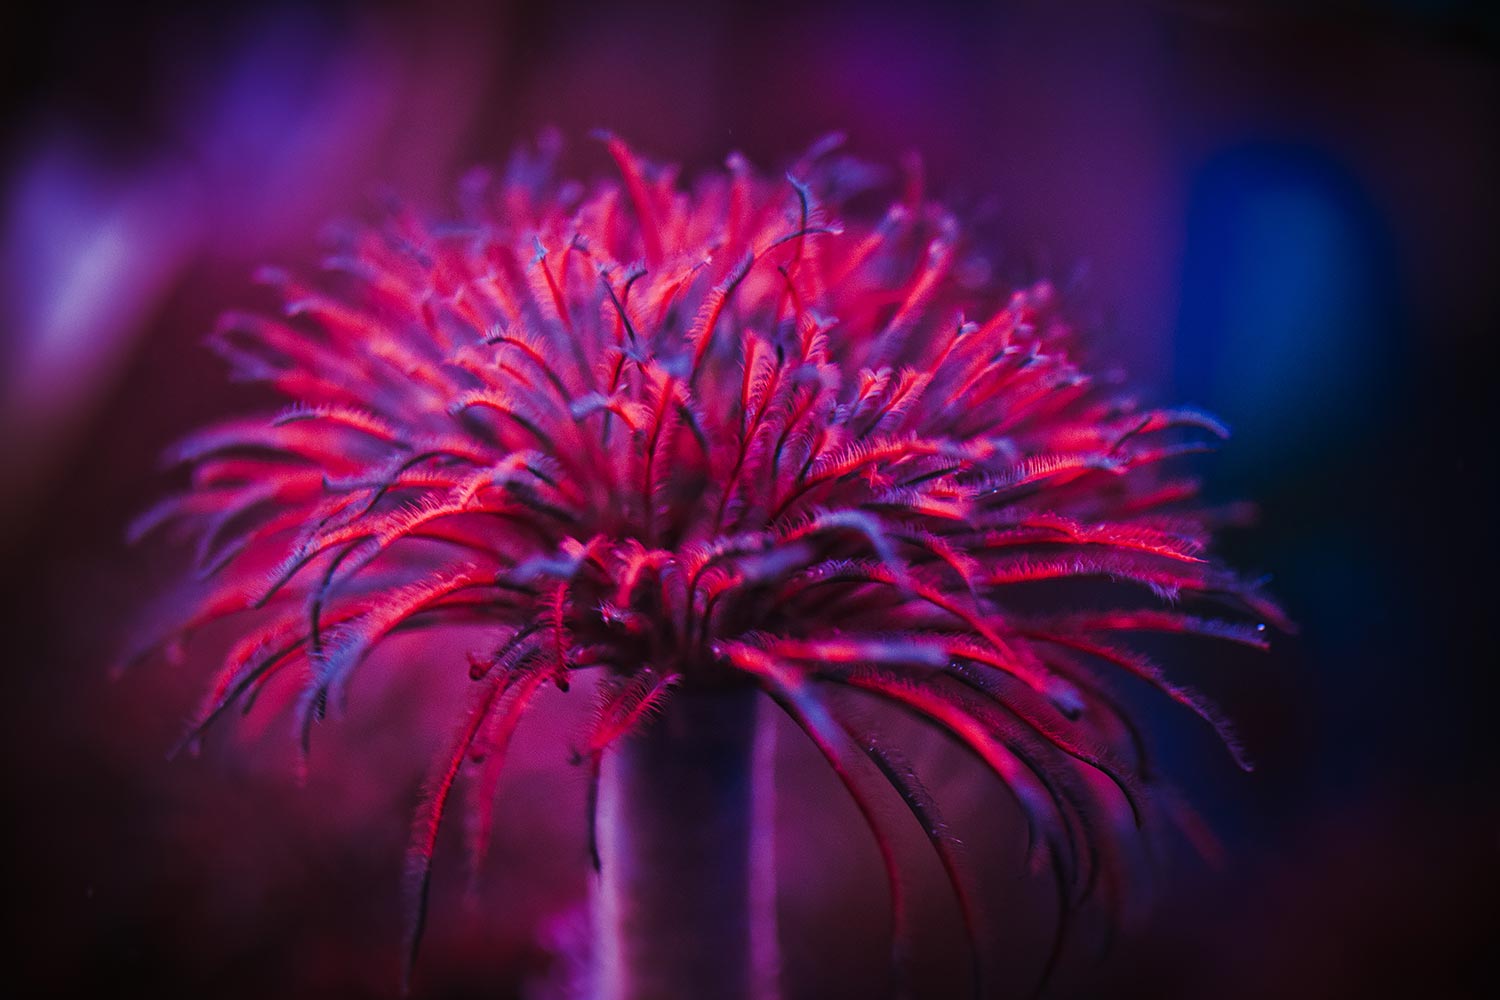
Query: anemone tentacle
(697,436)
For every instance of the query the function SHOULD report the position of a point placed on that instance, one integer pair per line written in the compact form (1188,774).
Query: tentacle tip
(1067,699)
(190,746)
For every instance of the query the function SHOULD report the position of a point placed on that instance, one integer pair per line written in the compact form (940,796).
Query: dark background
(1284,213)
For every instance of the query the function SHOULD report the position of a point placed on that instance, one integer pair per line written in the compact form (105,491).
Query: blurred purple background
(1285,213)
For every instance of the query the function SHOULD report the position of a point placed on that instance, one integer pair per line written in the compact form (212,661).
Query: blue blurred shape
(1289,301)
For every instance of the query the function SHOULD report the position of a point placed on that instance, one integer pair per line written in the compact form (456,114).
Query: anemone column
(686,899)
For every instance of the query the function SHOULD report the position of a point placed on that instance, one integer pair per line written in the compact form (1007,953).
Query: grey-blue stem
(685,901)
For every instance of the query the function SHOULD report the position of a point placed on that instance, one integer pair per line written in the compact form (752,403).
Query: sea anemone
(724,444)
